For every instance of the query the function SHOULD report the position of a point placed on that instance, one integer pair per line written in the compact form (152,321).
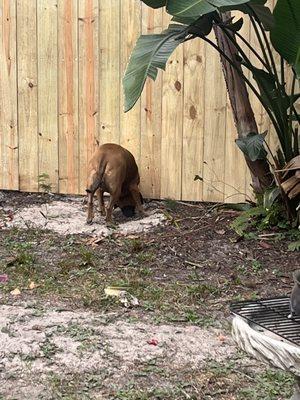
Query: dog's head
(127,205)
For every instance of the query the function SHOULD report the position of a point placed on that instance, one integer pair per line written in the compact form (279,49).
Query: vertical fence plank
(171,147)
(47,91)
(215,125)
(88,83)
(27,94)
(109,71)
(151,116)
(8,97)
(193,123)
(130,123)
(68,96)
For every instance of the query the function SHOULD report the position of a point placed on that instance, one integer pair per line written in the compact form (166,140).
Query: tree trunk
(243,115)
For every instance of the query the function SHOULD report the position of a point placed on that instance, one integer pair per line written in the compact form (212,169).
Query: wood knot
(193,112)
(177,86)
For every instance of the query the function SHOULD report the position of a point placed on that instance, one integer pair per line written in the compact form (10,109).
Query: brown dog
(113,169)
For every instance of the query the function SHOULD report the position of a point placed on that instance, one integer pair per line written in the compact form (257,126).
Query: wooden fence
(61,65)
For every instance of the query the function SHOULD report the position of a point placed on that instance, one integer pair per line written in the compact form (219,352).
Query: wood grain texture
(193,119)
(88,84)
(130,123)
(151,116)
(172,125)
(27,94)
(214,128)
(68,96)
(109,71)
(47,92)
(9,162)
(62,78)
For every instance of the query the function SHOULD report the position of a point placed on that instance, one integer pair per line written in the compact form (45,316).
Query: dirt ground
(62,337)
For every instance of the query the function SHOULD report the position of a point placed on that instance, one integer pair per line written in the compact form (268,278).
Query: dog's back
(113,169)
(113,166)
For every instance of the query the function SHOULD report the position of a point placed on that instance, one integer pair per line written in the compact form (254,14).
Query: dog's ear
(142,198)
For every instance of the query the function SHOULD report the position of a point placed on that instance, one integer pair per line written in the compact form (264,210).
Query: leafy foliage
(294,246)
(151,52)
(155,3)
(195,19)
(286,33)
(253,146)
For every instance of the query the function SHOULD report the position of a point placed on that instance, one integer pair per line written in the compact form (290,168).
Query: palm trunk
(243,115)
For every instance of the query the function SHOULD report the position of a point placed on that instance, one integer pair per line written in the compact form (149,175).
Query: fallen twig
(193,264)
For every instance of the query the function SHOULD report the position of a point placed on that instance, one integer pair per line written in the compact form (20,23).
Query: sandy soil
(65,218)
(64,339)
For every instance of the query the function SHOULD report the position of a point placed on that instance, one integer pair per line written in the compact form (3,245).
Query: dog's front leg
(134,190)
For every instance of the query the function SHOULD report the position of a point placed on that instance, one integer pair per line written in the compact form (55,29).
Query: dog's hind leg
(99,194)
(94,182)
(90,202)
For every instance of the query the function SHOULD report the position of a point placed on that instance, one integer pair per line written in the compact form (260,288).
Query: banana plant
(195,19)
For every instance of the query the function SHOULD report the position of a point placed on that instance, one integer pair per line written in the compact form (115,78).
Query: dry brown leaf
(94,241)
(289,183)
(291,176)
(295,191)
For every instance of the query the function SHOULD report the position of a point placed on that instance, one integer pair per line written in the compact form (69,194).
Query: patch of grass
(75,386)
(145,272)
(134,245)
(48,349)
(269,385)
(255,385)
(44,183)
(171,204)
(203,321)
(294,246)
(85,335)
(256,266)
(176,392)
(201,291)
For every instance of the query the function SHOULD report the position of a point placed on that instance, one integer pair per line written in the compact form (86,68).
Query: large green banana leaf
(150,53)
(285,35)
(187,11)
(155,3)
(192,8)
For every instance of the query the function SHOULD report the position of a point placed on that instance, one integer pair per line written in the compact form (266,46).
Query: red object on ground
(153,342)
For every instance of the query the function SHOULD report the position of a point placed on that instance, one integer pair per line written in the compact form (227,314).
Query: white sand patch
(69,217)
(77,342)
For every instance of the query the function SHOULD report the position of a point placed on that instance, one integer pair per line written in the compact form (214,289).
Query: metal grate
(270,314)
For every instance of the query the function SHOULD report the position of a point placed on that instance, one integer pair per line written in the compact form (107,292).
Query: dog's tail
(96,179)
